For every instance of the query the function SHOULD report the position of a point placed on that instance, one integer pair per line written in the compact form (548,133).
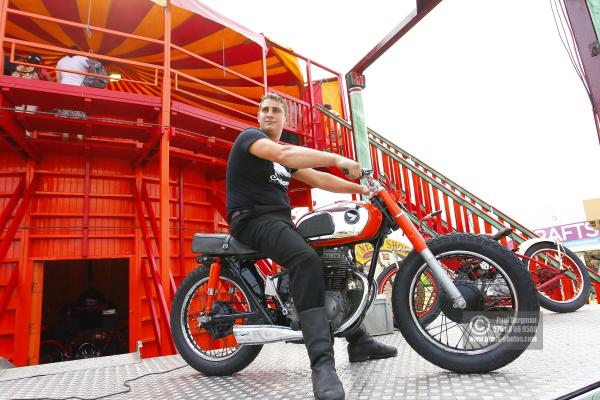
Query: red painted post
(317,137)
(162,280)
(158,285)
(86,210)
(151,215)
(152,307)
(447,210)
(3,8)
(264,70)
(342,97)
(8,290)
(436,204)
(181,226)
(156,231)
(466,219)
(458,217)
(407,189)
(417,191)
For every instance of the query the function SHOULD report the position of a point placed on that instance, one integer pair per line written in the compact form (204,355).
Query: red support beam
(158,287)
(181,226)
(151,306)
(12,203)
(151,147)
(156,231)
(162,273)
(423,8)
(17,218)
(407,190)
(317,135)
(3,15)
(219,204)
(151,215)
(8,290)
(14,134)
(87,184)
(417,191)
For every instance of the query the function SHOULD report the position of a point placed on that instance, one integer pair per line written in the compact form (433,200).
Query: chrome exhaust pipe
(262,334)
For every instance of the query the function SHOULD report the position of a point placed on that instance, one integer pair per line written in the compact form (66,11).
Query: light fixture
(114,76)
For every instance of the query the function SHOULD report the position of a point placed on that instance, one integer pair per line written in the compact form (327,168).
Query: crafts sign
(575,235)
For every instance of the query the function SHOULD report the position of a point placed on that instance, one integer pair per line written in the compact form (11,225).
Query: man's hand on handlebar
(349,167)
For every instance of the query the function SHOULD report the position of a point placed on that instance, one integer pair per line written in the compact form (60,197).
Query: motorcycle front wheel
(502,312)
(210,349)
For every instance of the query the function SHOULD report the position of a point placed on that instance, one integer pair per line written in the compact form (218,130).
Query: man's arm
(301,157)
(329,182)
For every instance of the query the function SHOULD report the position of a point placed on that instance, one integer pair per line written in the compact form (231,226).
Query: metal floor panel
(570,359)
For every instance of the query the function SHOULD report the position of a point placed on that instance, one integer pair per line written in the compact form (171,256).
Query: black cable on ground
(125,383)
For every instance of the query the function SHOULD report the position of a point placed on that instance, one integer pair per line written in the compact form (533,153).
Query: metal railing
(300,119)
(424,188)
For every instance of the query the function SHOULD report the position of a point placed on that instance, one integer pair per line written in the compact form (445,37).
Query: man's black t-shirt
(253,182)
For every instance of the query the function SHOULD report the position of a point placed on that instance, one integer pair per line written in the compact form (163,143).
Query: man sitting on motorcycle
(259,170)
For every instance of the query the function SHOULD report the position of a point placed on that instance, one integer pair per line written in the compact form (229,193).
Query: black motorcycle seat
(216,244)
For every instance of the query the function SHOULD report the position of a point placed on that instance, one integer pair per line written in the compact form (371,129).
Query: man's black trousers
(274,235)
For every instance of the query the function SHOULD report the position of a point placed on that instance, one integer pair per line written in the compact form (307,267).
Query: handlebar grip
(363,172)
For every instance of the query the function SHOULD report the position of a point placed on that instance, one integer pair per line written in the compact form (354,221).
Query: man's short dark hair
(74,47)
(274,97)
(34,58)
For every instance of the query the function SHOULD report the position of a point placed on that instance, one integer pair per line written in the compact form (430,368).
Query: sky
(481,90)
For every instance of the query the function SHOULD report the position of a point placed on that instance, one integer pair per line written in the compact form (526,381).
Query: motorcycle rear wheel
(213,357)
(502,314)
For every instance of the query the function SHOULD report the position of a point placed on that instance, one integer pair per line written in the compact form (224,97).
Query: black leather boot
(362,347)
(317,338)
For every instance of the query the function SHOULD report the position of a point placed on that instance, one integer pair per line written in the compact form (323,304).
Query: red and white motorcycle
(486,315)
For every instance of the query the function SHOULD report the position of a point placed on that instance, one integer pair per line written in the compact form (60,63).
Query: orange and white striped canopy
(194,27)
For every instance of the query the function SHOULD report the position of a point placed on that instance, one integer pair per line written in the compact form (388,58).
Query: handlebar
(364,172)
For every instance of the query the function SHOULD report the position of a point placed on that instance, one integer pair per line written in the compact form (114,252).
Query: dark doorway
(85,308)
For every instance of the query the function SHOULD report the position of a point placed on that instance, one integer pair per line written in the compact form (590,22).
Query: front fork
(418,242)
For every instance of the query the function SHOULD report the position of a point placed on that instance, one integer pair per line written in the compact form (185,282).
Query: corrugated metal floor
(570,359)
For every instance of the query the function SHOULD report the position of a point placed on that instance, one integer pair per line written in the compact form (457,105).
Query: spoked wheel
(210,347)
(562,280)
(426,299)
(502,310)
(51,351)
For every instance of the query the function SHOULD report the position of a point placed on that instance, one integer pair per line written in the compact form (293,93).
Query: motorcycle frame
(393,218)
(235,265)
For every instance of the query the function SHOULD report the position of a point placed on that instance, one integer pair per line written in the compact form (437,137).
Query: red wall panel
(56,227)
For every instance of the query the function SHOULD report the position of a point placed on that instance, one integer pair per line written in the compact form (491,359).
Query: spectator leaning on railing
(72,63)
(77,64)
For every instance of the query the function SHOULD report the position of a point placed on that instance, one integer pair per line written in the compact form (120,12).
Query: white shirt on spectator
(73,63)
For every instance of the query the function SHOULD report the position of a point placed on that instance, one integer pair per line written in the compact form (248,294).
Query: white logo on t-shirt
(281,175)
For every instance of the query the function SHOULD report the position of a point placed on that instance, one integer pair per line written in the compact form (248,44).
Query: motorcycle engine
(342,294)
(337,270)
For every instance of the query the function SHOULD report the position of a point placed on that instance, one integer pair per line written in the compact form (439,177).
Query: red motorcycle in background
(486,309)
